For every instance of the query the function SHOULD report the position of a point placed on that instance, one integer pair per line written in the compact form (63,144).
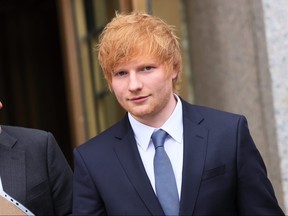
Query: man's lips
(138,99)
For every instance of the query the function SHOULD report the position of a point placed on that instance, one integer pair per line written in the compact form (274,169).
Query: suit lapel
(131,162)
(12,167)
(195,145)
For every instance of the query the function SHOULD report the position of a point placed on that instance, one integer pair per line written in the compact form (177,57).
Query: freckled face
(145,89)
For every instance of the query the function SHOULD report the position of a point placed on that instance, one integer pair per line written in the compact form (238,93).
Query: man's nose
(134,82)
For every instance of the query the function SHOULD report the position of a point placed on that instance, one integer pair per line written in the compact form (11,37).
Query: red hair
(130,35)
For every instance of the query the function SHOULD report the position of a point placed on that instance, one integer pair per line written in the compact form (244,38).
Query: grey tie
(165,182)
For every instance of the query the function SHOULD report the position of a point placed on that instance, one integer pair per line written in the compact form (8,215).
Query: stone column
(276,25)
(230,69)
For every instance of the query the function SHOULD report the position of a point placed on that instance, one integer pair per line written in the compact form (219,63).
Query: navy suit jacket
(223,172)
(34,171)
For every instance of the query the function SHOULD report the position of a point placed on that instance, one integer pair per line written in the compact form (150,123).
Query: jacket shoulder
(107,137)
(210,117)
(18,131)
(26,138)
(209,111)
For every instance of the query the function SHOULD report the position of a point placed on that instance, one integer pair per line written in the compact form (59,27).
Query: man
(34,171)
(216,168)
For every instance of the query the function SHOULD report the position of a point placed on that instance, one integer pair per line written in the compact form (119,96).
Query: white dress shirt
(173,144)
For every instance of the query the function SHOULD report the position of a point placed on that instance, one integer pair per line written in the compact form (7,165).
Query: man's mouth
(138,99)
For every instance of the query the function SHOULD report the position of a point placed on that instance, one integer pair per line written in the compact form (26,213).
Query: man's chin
(140,113)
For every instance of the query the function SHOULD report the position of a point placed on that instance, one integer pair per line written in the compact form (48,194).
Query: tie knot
(158,138)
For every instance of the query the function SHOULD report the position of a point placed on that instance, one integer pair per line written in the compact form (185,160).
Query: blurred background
(235,59)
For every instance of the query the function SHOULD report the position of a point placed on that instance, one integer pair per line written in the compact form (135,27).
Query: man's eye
(148,68)
(121,73)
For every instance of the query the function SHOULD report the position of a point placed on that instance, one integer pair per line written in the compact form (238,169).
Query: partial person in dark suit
(216,165)
(34,171)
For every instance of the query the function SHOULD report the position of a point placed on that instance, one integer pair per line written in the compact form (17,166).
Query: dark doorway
(32,85)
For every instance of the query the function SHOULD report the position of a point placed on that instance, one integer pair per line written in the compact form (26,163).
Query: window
(100,107)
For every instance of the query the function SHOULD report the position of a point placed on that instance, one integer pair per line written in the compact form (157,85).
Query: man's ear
(110,87)
(175,72)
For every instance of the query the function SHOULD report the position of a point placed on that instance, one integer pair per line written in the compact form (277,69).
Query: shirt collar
(173,126)
(142,132)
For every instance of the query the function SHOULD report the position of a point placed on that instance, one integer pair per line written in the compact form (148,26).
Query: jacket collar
(195,146)
(6,140)
(12,166)
(131,162)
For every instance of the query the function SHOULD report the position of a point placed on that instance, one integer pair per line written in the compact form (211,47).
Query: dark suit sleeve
(60,178)
(255,192)
(86,199)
